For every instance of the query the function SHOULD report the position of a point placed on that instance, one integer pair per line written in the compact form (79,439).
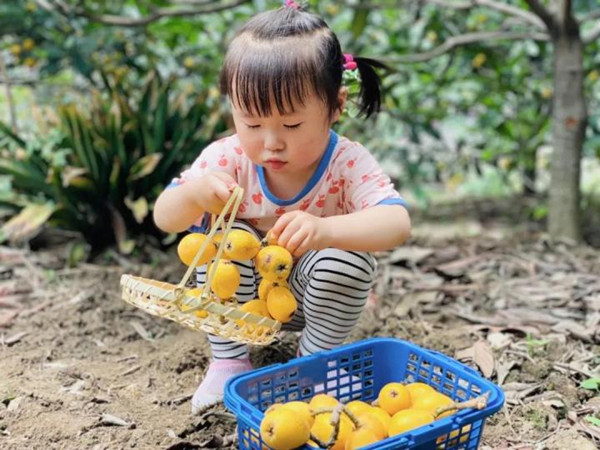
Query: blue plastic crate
(357,372)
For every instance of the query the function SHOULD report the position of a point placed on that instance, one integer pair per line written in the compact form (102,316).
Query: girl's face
(289,144)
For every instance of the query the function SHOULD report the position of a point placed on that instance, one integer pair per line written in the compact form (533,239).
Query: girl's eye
(293,126)
(252,126)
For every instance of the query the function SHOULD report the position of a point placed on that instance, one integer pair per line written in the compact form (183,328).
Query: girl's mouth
(275,164)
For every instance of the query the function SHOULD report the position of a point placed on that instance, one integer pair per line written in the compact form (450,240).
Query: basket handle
(233,204)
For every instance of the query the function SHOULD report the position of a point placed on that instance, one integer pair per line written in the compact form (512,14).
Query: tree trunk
(569,119)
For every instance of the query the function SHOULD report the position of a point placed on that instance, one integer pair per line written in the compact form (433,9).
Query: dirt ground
(80,368)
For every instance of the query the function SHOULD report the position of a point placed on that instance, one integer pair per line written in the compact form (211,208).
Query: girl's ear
(342,99)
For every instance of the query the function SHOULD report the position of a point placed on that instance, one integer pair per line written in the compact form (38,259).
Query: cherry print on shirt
(335,187)
(223,161)
(350,163)
(280,211)
(238,150)
(364,204)
(203,164)
(321,201)
(257,198)
(243,207)
(365,178)
(329,176)
(305,204)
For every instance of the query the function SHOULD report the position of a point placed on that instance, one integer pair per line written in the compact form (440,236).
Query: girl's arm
(378,228)
(177,208)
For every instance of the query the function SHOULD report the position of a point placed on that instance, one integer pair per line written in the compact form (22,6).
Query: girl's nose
(273,142)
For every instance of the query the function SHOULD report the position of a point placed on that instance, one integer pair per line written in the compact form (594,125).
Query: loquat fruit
(281,304)
(409,419)
(382,415)
(362,437)
(393,397)
(265,287)
(241,245)
(226,279)
(322,430)
(358,407)
(281,430)
(189,246)
(322,401)
(432,401)
(274,263)
(417,389)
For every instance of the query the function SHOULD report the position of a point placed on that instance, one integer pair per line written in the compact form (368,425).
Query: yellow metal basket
(203,312)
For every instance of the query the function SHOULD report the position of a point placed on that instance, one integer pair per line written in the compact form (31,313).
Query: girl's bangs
(263,80)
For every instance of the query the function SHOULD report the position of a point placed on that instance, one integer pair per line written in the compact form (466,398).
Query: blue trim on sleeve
(172,184)
(394,201)
(323,164)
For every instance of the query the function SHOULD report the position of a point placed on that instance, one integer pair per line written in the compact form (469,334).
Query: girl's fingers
(290,229)
(302,248)
(295,242)
(281,225)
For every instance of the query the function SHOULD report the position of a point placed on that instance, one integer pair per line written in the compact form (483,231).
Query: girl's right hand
(212,191)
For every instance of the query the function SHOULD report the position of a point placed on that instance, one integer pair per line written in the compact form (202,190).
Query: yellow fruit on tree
(226,279)
(265,287)
(322,430)
(281,430)
(409,419)
(28,44)
(241,245)
(393,397)
(189,246)
(274,263)
(281,304)
(360,438)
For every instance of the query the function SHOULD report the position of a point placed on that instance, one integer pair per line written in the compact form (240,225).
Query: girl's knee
(334,263)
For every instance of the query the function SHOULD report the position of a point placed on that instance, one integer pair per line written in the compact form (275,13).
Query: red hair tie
(349,63)
(292,4)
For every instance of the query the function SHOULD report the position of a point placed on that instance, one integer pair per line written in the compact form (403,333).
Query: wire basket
(204,312)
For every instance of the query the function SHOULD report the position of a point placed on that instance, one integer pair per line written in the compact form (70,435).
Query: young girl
(322,196)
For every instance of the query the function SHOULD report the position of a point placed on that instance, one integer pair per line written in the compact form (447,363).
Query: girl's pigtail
(370,86)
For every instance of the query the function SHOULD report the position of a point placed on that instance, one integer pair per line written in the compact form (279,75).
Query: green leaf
(27,223)
(591,384)
(144,166)
(139,208)
(593,420)
(8,132)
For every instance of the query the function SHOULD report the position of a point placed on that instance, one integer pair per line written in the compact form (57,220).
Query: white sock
(212,388)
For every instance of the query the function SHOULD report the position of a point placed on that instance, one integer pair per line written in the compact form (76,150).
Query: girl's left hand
(299,232)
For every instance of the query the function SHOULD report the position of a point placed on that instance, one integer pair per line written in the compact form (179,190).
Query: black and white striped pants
(331,287)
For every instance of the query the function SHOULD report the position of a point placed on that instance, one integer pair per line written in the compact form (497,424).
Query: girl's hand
(299,232)
(212,191)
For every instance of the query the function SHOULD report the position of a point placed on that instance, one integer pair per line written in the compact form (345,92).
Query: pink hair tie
(292,4)
(349,63)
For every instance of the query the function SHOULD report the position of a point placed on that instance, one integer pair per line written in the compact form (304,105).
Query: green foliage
(593,384)
(110,162)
